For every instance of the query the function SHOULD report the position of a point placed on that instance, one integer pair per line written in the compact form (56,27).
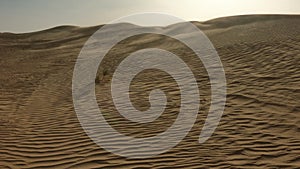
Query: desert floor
(260,127)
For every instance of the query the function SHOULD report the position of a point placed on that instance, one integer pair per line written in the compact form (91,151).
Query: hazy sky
(32,15)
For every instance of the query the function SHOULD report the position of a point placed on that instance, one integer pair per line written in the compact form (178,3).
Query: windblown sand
(260,127)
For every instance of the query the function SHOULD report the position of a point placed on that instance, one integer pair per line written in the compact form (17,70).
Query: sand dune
(259,129)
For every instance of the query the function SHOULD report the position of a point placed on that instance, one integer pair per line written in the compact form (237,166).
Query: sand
(259,128)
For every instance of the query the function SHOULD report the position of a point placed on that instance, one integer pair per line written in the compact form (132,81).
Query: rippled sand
(259,128)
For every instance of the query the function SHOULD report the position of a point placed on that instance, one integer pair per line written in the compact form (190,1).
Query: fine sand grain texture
(260,127)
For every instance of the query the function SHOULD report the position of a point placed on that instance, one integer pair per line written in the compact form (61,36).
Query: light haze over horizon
(33,15)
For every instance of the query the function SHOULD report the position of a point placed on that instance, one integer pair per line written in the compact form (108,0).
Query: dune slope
(259,129)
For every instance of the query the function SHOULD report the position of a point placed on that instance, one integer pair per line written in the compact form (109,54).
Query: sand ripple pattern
(259,128)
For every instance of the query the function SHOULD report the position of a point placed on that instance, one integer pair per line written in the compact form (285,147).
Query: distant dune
(259,128)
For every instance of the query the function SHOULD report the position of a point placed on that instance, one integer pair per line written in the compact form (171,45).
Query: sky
(31,15)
